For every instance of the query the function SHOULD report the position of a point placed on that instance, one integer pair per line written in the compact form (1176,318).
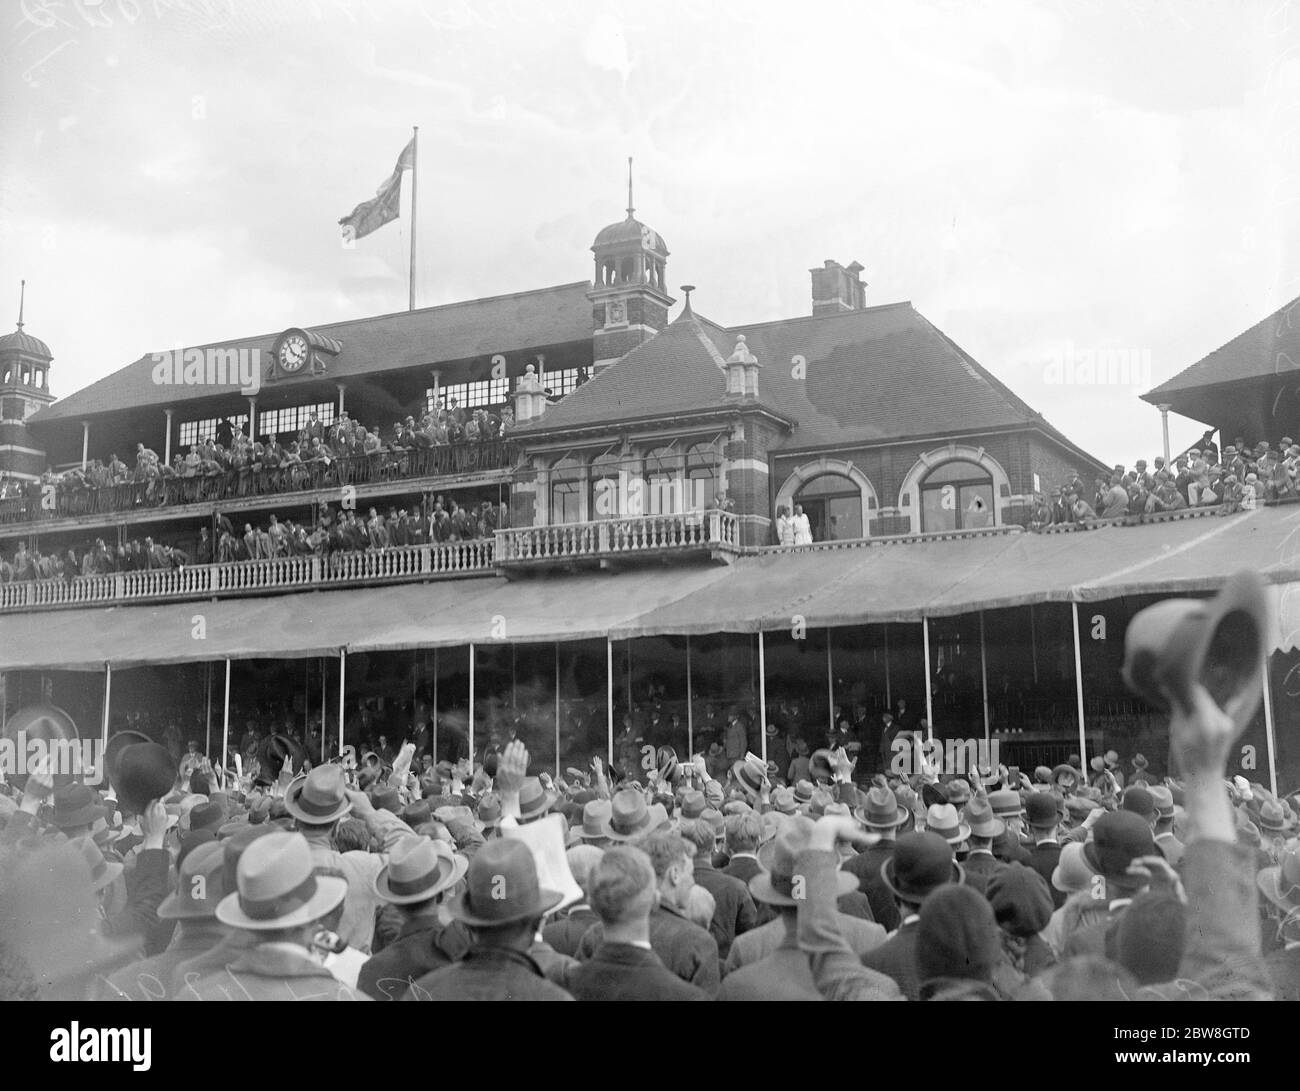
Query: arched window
(702,462)
(663,482)
(566,491)
(957,495)
(833,504)
(607,499)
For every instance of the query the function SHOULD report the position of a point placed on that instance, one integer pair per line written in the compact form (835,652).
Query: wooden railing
(279,574)
(71,501)
(697,530)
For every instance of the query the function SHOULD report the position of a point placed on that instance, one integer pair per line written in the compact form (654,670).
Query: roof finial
(630,209)
(686,311)
(22,298)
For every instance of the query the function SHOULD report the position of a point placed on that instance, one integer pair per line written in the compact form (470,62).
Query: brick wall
(1020,454)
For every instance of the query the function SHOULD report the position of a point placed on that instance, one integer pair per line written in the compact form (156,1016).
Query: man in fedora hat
(1043,818)
(882,816)
(766,963)
(624,966)
(686,948)
(1008,806)
(1118,839)
(200,886)
(985,828)
(920,864)
(418,873)
(502,906)
(734,912)
(76,810)
(281,900)
(317,803)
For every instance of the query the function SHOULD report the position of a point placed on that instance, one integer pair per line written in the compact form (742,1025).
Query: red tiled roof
(391,342)
(1269,347)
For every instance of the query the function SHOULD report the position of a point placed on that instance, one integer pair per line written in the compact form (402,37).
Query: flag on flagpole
(371,215)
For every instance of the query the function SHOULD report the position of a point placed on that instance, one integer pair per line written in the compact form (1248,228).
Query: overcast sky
(1043,181)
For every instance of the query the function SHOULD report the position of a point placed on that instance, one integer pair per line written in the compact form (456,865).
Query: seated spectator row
(336,532)
(1246,477)
(231,466)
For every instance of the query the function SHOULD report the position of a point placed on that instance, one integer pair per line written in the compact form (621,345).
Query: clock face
(293,352)
(649,239)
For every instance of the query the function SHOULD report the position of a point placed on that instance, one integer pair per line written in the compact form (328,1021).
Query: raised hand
(512,768)
(153,824)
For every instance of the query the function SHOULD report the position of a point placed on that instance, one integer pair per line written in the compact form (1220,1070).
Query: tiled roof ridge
(367,319)
(1269,318)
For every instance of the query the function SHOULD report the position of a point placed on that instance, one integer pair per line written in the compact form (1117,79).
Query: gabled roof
(682,369)
(881,373)
(1269,347)
(391,342)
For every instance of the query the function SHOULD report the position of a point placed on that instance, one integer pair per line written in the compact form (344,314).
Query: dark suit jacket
(866,866)
(1043,859)
(688,950)
(980,868)
(734,912)
(487,973)
(1009,850)
(622,971)
(743,868)
(147,885)
(422,946)
(896,957)
(565,934)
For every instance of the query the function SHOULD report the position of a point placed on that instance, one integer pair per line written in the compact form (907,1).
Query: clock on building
(300,351)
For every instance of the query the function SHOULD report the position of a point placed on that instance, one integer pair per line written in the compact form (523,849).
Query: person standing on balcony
(784,527)
(802,528)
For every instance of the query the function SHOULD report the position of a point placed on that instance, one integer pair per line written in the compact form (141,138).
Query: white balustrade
(637,534)
(392,565)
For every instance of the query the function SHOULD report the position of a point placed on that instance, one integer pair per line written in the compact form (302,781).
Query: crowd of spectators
(228,464)
(1241,480)
(342,531)
(1078,883)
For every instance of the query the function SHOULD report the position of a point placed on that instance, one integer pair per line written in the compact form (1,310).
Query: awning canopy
(824,586)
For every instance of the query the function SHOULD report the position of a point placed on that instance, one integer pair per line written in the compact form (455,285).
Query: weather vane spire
(22,298)
(630,208)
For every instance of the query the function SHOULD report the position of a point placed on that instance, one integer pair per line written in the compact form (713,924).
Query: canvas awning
(824,586)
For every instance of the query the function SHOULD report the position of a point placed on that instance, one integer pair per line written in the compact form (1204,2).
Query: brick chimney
(836,289)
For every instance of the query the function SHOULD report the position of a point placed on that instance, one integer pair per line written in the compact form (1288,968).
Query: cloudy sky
(1043,181)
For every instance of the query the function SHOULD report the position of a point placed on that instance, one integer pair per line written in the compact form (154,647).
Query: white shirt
(802,530)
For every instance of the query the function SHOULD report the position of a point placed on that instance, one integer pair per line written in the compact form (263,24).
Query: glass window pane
(843,518)
(976,506)
(829,485)
(957,470)
(939,509)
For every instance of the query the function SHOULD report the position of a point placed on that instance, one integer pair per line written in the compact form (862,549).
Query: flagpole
(415,152)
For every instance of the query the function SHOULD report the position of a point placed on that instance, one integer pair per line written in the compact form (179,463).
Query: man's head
(621,888)
(673,859)
(744,832)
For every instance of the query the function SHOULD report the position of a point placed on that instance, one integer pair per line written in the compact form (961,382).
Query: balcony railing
(278,574)
(624,537)
(447,460)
